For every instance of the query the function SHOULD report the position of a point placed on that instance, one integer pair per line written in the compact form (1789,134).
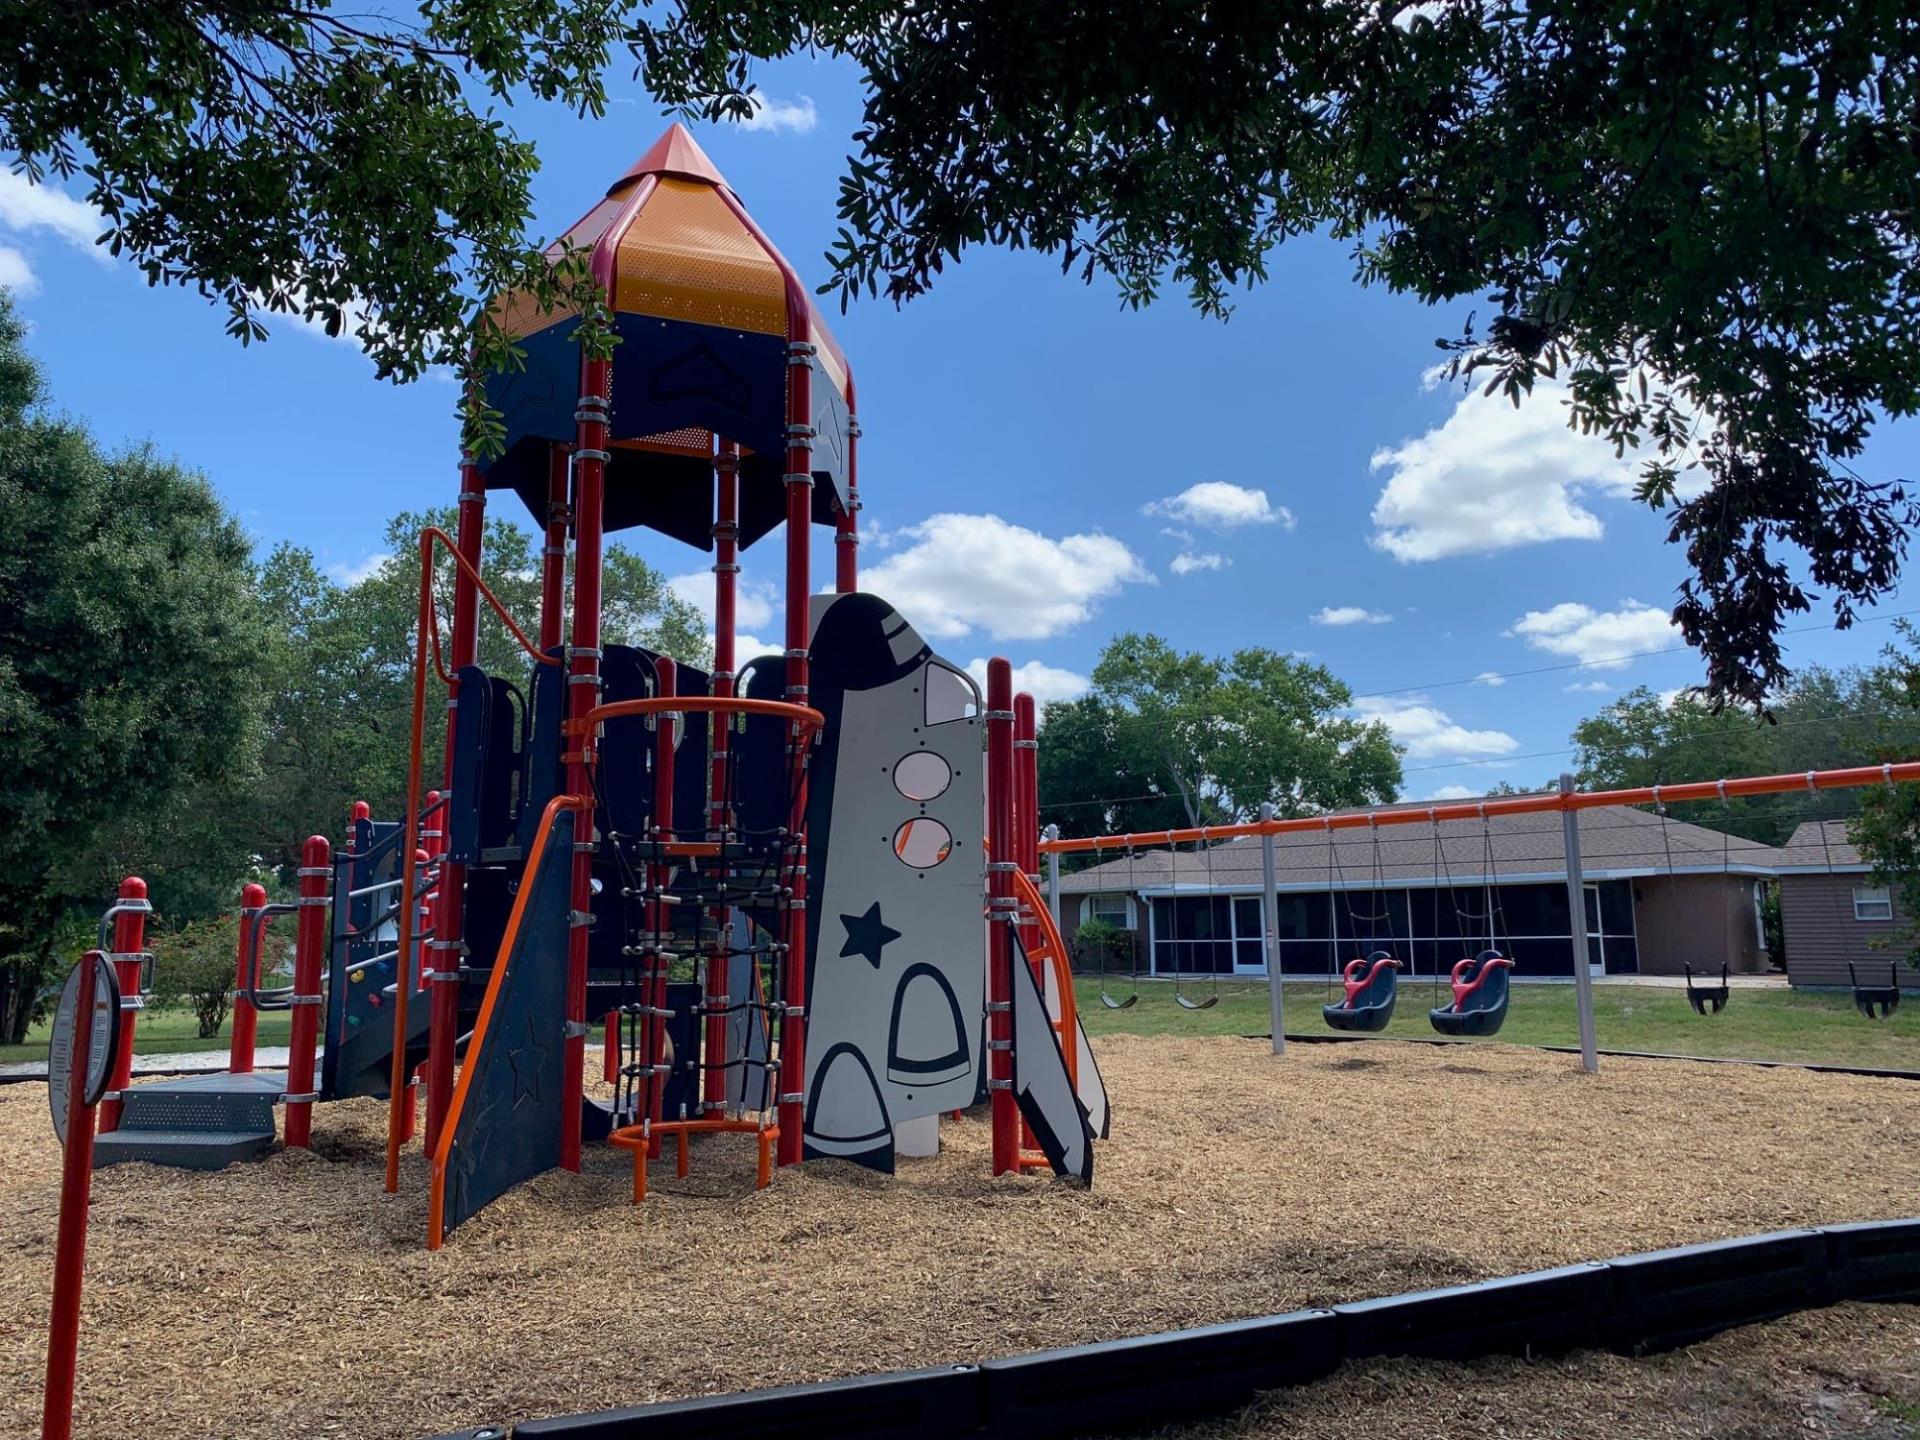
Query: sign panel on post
(99,1030)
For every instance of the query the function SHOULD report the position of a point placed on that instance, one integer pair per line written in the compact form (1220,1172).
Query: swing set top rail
(1903,773)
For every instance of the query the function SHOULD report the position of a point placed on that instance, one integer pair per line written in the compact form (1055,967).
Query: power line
(1605,663)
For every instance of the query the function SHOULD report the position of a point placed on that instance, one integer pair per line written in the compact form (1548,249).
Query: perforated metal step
(198,1122)
(185,1149)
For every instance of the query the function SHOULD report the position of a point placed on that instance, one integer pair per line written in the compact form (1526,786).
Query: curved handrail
(1054,951)
(443,1142)
(428,537)
(804,716)
(254,920)
(426,637)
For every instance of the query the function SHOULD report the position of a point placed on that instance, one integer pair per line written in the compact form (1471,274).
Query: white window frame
(1876,899)
(1125,907)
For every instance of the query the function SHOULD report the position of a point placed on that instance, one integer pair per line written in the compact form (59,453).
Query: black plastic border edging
(1633,1304)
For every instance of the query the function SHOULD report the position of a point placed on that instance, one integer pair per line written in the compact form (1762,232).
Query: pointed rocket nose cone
(675,153)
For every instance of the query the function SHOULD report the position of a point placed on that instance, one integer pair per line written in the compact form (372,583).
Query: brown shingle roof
(1613,839)
(1819,844)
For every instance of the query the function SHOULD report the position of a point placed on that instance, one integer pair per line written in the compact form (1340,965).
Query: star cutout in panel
(527,1059)
(867,935)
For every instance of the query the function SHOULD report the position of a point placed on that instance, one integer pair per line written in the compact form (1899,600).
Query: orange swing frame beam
(426,641)
(807,723)
(1904,772)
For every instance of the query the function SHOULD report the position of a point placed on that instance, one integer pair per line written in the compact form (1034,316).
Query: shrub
(193,968)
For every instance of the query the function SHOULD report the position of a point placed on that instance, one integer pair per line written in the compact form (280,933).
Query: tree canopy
(1823,719)
(1169,738)
(129,645)
(1702,213)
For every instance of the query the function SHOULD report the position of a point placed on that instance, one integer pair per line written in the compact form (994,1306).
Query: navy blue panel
(1541,1313)
(672,375)
(509,1129)
(1125,1385)
(829,447)
(761,789)
(500,771)
(690,758)
(1873,1260)
(536,404)
(1667,1298)
(625,796)
(908,1405)
(541,771)
(473,730)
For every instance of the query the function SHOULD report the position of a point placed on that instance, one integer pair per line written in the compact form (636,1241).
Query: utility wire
(1605,663)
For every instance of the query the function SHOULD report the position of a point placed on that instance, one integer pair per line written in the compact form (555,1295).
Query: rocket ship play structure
(791,897)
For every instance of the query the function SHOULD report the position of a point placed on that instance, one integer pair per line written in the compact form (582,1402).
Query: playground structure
(764,884)
(797,895)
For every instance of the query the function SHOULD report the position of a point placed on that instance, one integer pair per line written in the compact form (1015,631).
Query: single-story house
(1834,914)
(1660,895)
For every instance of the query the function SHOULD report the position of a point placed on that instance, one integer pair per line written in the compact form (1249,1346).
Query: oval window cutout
(922,775)
(922,843)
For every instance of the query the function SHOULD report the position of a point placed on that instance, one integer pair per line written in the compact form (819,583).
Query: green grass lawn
(159,1032)
(1777,1024)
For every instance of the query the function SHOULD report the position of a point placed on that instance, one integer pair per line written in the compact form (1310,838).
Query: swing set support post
(1270,928)
(1577,924)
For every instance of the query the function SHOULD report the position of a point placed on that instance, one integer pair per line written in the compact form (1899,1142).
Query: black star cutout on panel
(867,935)
(526,1060)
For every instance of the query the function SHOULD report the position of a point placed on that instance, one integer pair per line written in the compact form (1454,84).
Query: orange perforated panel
(672,442)
(686,257)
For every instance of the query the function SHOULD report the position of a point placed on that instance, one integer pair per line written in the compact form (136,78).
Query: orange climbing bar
(1853,778)
(443,1142)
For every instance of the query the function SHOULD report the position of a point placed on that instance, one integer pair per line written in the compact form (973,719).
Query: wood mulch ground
(1850,1373)
(293,1296)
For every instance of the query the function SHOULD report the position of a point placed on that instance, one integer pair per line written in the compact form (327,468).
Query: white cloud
(1604,639)
(753,600)
(16,274)
(953,574)
(1043,682)
(1587,687)
(1494,477)
(1188,561)
(343,573)
(1490,677)
(748,647)
(1220,505)
(773,116)
(1453,792)
(1427,732)
(25,206)
(1349,615)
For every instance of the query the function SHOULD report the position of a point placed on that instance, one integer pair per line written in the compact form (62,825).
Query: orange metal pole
(1901,773)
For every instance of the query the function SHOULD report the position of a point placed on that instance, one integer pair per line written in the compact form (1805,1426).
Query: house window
(1872,902)
(1112,909)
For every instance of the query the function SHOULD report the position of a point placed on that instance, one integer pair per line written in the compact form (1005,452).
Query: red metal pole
(246,1019)
(1026,839)
(1002,908)
(309,954)
(726,570)
(129,945)
(583,688)
(846,525)
(443,1005)
(70,1244)
(553,555)
(659,908)
(799,481)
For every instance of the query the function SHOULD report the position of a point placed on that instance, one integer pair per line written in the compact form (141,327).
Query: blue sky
(1041,467)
